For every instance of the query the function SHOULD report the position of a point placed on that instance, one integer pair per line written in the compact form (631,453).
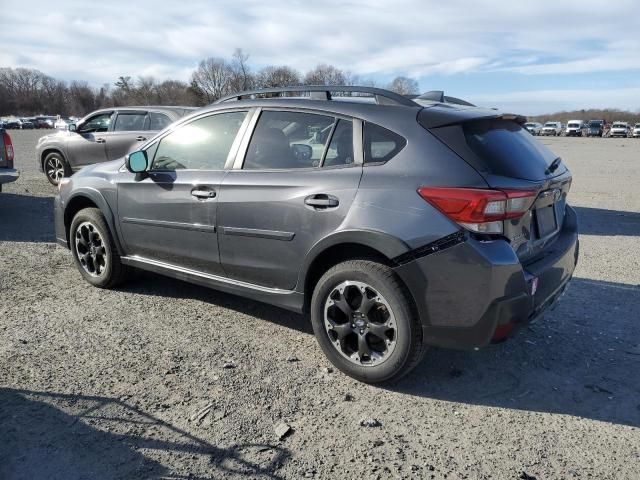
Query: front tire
(94,251)
(55,167)
(365,322)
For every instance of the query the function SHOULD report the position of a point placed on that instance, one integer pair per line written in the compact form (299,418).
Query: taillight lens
(479,210)
(8,148)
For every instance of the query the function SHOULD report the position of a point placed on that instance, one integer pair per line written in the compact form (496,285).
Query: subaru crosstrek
(395,223)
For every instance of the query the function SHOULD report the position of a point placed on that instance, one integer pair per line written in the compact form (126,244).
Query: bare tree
(283,76)
(404,86)
(213,78)
(242,79)
(325,74)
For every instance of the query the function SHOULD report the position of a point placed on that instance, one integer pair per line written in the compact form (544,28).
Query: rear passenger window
(202,144)
(380,144)
(158,121)
(340,151)
(284,140)
(129,122)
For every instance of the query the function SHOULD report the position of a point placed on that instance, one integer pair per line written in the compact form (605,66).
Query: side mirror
(72,127)
(137,162)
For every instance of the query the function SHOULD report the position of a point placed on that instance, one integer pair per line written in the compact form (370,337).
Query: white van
(574,128)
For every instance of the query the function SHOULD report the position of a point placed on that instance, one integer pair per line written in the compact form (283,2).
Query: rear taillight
(8,149)
(479,210)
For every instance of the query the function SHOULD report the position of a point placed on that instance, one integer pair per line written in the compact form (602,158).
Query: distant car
(595,128)
(44,122)
(534,128)
(27,124)
(574,128)
(636,131)
(619,129)
(13,124)
(61,124)
(101,136)
(552,128)
(7,172)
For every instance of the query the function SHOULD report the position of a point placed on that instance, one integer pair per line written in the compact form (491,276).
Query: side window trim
(246,138)
(155,143)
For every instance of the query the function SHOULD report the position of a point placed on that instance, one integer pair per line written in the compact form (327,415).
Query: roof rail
(439,96)
(323,92)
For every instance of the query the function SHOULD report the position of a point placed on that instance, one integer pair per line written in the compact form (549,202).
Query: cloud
(373,38)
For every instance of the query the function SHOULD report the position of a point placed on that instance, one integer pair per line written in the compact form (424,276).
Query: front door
(87,145)
(169,214)
(296,185)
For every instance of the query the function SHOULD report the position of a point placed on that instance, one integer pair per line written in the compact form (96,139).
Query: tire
(96,257)
(55,167)
(391,329)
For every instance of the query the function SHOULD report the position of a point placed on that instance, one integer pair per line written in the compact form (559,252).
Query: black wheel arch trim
(385,244)
(101,203)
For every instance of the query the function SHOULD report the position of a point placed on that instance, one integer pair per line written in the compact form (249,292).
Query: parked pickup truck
(7,172)
(552,128)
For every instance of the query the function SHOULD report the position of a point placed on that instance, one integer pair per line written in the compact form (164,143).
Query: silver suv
(395,223)
(101,136)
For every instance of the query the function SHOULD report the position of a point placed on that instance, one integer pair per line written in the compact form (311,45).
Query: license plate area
(546,222)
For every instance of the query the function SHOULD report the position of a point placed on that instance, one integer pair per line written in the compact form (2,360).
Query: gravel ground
(162,379)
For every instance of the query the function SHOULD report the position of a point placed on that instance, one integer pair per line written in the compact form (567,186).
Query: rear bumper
(465,292)
(8,175)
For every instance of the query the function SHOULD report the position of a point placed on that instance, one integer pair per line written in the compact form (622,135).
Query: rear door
(169,214)
(87,145)
(293,183)
(127,133)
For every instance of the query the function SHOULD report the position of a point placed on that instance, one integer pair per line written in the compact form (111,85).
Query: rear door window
(380,144)
(285,140)
(158,121)
(129,122)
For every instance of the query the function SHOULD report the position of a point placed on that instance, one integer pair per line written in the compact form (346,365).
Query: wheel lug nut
(361,331)
(353,325)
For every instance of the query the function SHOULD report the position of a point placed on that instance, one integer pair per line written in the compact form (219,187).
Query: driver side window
(202,144)
(97,124)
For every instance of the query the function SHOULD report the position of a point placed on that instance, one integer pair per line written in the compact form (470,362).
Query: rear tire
(365,322)
(94,251)
(55,168)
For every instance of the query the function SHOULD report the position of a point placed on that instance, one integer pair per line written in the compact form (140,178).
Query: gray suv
(101,136)
(395,223)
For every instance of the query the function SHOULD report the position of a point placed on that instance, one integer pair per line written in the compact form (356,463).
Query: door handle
(100,140)
(321,201)
(203,192)
(141,138)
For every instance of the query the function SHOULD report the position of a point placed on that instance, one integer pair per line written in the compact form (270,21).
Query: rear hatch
(512,161)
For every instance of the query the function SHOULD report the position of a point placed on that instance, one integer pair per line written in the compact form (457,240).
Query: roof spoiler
(440,97)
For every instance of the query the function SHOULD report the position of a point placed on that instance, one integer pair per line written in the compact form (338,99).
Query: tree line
(25,91)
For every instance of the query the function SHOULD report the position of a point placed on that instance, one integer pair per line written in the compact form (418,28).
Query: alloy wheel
(360,323)
(55,169)
(90,249)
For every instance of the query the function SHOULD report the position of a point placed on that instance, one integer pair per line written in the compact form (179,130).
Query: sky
(530,57)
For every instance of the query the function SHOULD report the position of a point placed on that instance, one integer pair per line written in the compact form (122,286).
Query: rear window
(507,149)
(499,147)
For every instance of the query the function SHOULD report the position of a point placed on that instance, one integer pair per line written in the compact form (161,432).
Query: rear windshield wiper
(553,167)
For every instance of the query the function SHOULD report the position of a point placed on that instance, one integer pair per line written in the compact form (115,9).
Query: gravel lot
(162,379)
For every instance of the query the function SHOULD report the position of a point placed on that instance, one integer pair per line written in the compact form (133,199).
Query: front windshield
(550,124)
(637,125)
(595,124)
(574,125)
(619,125)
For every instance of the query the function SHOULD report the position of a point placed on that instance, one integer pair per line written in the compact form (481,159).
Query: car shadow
(64,436)
(600,221)
(581,359)
(146,283)
(26,218)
